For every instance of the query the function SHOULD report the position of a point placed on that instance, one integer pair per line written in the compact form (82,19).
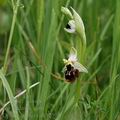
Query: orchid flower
(72,67)
(75,24)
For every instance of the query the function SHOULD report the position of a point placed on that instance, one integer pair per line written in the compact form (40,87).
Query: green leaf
(10,95)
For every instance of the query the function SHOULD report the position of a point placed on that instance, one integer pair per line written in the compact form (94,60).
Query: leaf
(10,95)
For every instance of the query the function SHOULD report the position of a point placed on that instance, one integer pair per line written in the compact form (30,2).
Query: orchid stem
(81,48)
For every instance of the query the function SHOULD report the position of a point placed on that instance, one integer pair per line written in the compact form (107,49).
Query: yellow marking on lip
(67,61)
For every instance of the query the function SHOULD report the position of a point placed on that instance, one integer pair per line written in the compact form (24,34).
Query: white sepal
(80,67)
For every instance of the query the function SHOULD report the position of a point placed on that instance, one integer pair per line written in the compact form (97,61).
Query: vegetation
(33,44)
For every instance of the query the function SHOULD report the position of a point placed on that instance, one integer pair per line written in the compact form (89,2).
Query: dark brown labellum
(69,67)
(68,26)
(71,73)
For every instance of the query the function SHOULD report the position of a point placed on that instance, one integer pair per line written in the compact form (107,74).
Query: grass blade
(10,95)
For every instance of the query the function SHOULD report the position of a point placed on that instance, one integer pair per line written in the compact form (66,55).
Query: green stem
(13,4)
(40,17)
(11,35)
(81,48)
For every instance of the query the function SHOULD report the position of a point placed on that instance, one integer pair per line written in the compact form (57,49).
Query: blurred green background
(32,32)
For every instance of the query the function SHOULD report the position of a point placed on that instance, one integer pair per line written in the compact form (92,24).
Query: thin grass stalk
(11,35)
(10,95)
(27,94)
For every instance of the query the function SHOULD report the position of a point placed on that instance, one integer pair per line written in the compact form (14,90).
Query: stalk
(81,48)
(15,9)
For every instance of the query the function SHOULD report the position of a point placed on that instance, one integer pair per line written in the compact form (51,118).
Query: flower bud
(67,12)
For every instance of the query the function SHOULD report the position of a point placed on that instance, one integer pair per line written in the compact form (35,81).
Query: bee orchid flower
(75,23)
(72,67)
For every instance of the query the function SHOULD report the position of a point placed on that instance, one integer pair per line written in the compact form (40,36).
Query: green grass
(32,45)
